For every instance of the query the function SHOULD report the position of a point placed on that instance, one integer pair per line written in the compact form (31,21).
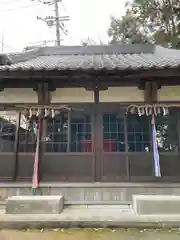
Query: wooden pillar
(16,145)
(43,93)
(97,127)
(69,133)
(154,91)
(150,91)
(150,97)
(126,147)
(178,130)
(40,93)
(42,150)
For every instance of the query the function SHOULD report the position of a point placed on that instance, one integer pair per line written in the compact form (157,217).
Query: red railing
(108,145)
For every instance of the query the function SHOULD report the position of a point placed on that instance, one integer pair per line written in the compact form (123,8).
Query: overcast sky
(89,18)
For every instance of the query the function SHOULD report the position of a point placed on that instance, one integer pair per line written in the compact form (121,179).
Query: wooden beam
(91,87)
(47,74)
(89,81)
(55,74)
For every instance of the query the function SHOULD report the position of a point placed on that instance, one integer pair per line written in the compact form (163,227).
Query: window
(27,137)
(139,133)
(167,134)
(7,135)
(81,137)
(72,132)
(57,128)
(113,131)
(69,133)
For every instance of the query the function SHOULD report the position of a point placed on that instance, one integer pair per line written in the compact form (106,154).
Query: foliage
(128,30)
(155,21)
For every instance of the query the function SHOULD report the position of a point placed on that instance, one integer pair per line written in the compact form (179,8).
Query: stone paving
(76,213)
(88,216)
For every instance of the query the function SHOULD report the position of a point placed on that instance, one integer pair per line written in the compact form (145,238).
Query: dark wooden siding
(114,167)
(65,167)
(6,166)
(170,165)
(140,166)
(25,163)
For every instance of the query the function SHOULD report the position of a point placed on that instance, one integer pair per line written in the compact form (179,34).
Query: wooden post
(126,146)
(46,93)
(154,91)
(42,147)
(97,136)
(151,92)
(147,92)
(16,145)
(69,133)
(178,129)
(43,92)
(40,91)
(43,99)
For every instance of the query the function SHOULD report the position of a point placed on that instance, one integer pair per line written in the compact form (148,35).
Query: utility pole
(56,20)
(58,39)
(2,43)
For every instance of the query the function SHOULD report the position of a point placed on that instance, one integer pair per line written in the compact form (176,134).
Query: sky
(88,18)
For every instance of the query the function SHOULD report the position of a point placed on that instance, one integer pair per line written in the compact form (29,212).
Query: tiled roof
(109,57)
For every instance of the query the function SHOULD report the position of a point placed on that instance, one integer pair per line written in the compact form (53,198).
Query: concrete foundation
(91,193)
(34,205)
(156,205)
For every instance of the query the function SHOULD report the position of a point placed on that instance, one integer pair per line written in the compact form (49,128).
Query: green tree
(155,21)
(128,30)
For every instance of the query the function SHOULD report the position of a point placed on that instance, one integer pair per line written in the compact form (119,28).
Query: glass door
(113,143)
(68,151)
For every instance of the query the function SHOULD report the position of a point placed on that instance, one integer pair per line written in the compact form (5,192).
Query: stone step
(156,205)
(35,205)
(93,203)
(102,206)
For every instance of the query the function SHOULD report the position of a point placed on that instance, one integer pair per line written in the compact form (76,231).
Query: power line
(10,2)
(5,45)
(63,6)
(21,7)
(57,20)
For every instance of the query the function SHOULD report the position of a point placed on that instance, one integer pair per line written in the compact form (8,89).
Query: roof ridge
(99,49)
(160,50)
(82,50)
(24,56)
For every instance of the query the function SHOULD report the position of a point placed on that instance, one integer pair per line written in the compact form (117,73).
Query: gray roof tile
(107,57)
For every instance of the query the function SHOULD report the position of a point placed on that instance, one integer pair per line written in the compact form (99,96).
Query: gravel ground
(92,234)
